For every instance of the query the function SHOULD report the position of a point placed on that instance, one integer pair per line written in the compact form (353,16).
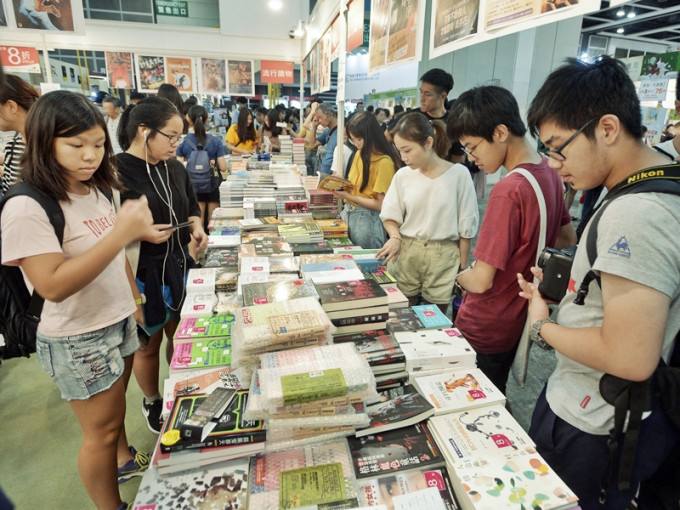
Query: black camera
(556,266)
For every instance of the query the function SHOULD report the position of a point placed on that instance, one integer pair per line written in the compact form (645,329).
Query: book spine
(232,440)
(361,319)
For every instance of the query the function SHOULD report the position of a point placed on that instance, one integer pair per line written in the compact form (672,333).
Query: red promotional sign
(20,59)
(273,71)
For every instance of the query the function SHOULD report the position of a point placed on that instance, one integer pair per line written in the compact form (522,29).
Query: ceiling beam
(627,21)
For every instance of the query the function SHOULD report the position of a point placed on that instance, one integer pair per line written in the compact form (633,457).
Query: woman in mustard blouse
(371,174)
(241,137)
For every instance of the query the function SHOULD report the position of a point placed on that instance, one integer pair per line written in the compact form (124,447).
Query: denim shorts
(83,365)
(365,227)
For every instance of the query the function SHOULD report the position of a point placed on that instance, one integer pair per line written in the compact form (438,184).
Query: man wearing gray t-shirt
(588,117)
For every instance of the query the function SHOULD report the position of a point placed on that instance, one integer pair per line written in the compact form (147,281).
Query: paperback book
(311,248)
(511,480)
(211,352)
(403,319)
(377,347)
(398,407)
(435,349)
(201,280)
(263,293)
(335,183)
(394,451)
(204,327)
(231,428)
(478,432)
(332,272)
(431,316)
(193,382)
(344,295)
(457,390)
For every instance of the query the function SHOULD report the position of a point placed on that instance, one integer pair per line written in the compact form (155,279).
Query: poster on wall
(500,13)
(119,69)
(314,70)
(660,65)
(401,43)
(275,71)
(150,72)
(241,82)
(335,38)
(180,71)
(654,118)
(213,76)
(20,59)
(355,24)
(325,62)
(377,46)
(61,16)
(453,20)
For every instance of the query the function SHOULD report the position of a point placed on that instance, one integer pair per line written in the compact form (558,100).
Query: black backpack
(20,309)
(632,399)
(204,176)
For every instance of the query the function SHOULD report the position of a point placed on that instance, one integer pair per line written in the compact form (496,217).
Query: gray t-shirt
(637,239)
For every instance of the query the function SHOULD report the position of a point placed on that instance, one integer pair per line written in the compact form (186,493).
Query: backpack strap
(56,217)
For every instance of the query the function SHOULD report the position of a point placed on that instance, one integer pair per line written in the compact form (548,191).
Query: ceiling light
(631,14)
(620,13)
(619,30)
(275,5)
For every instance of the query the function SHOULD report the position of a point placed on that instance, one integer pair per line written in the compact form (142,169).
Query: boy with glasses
(588,117)
(486,121)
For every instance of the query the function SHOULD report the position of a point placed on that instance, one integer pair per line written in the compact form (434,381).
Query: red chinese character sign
(20,59)
(274,71)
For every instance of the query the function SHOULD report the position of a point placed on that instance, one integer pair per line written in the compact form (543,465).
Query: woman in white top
(429,212)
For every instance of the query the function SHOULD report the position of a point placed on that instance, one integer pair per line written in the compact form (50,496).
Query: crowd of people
(413,198)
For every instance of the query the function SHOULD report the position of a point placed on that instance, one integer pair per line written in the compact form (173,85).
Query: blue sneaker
(133,467)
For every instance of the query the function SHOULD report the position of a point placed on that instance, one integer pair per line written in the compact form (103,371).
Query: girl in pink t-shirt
(87,333)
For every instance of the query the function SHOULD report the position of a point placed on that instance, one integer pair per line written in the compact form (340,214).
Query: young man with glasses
(486,121)
(588,117)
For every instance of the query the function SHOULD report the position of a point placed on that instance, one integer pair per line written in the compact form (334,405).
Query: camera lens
(543,258)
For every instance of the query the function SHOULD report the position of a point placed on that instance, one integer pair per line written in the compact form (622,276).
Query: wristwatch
(535,333)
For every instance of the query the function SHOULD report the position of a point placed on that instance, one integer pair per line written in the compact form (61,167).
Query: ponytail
(441,141)
(416,127)
(198,115)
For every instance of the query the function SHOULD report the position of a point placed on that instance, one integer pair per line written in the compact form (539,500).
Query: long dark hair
(416,127)
(169,91)
(198,117)
(244,131)
(62,114)
(365,126)
(19,91)
(273,118)
(153,112)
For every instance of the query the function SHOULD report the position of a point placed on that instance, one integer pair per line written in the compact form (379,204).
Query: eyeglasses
(172,139)
(556,154)
(471,152)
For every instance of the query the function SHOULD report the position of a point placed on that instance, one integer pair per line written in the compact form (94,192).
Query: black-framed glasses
(556,154)
(471,152)
(172,139)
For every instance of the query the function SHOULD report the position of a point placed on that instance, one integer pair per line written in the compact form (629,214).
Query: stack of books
(307,232)
(311,392)
(355,305)
(299,154)
(286,147)
(320,200)
(332,227)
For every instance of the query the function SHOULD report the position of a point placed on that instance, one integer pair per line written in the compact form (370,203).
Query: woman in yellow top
(371,174)
(241,137)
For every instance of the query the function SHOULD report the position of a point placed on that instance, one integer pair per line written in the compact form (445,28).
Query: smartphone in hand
(179,225)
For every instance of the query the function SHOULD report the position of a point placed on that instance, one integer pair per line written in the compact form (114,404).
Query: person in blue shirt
(326,116)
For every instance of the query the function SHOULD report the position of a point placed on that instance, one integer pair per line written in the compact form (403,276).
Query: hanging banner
(335,38)
(314,70)
(377,46)
(325,62)
(150,72)
(241,82)
(213,76)
(180,73)
(39,15)
(654,117)
(274,71)
(119,69)
(355,24)
(454,20)
(20,59)
(401,44)
(456,24)
(658,65)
